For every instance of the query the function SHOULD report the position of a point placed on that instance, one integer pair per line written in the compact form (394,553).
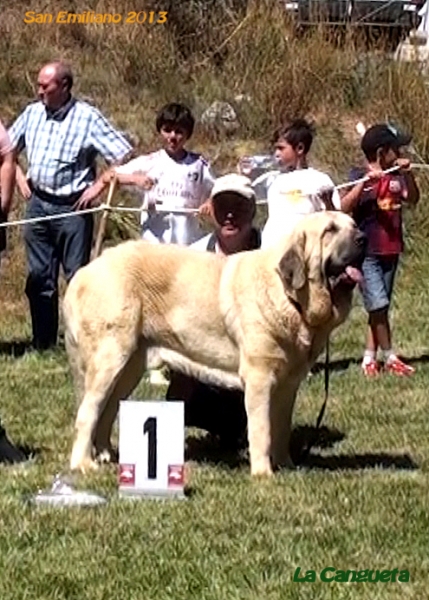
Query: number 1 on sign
(149,427)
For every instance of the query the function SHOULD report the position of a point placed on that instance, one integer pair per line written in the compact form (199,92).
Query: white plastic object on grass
(62,493)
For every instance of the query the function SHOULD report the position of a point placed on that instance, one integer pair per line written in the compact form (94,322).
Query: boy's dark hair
(382,135)
(296,132)
(175,115)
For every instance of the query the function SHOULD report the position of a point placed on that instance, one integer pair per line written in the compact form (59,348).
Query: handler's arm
(7,181)
(139,179)
(22,182)
(351,198)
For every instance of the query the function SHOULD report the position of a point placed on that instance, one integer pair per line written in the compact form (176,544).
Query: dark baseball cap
(383,135)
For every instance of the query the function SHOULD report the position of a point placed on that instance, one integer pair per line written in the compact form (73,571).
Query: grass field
(359,503)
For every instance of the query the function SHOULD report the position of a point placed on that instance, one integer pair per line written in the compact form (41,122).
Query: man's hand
(90,196)
(206,209)
(22,183)
(24,189)
(374,174)
(143,181)
(140,180)
(325,194)
(404,165)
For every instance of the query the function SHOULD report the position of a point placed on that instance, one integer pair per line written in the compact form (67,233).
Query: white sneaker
(157,378)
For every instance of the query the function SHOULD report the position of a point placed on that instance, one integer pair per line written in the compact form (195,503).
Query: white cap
(234,183)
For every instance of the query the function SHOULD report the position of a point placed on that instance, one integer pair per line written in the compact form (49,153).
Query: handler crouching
(218,410)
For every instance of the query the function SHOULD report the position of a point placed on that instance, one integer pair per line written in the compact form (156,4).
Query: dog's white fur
(255,320)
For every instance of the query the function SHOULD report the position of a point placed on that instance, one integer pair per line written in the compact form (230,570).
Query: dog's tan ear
(292,267)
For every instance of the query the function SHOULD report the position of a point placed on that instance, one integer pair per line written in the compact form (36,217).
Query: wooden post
(103,220)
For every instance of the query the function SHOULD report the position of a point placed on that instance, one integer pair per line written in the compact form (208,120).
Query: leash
(315,435)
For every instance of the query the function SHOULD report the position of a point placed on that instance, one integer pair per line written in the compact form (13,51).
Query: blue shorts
(378,277)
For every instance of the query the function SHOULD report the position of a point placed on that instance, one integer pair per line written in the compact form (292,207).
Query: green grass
(361,503)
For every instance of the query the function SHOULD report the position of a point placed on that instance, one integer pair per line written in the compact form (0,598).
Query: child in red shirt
(376,206)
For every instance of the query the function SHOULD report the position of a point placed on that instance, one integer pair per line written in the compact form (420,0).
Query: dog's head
(321,265)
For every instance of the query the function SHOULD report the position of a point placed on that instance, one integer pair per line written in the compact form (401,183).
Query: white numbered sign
(151,448)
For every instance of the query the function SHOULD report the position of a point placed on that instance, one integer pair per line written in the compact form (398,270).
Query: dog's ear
(291,268)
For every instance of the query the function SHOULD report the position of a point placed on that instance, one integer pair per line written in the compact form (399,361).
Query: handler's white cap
(234,183)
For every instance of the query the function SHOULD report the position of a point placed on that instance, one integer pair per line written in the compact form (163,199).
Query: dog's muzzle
(347,269)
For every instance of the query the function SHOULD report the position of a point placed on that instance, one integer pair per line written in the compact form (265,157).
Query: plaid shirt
(62,146)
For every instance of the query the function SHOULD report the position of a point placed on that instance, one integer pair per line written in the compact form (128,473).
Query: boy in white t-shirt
(173,178)
(300,189)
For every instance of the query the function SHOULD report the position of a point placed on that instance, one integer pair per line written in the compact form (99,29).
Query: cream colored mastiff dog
(254,320)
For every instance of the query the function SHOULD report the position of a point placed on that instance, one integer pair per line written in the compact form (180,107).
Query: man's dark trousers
(50,244)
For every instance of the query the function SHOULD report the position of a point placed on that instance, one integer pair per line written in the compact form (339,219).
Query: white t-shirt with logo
(290,197)
(179,184)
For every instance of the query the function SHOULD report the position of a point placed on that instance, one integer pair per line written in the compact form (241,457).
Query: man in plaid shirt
(62,137)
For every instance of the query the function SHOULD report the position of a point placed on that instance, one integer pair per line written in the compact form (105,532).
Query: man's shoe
(43,345)
(370,368)
(10,453)
(396,366)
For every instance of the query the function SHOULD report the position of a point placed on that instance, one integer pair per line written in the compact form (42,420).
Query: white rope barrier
(173,211)
(341,186)
(176,211)
(54,217)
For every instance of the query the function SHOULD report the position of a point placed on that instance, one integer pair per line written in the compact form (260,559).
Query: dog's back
(164,294)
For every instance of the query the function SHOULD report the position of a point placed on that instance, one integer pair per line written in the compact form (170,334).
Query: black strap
(211,244)
(3,234)
(52,198)
(315,436)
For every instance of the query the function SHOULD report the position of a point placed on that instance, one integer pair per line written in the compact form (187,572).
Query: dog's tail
(76,363)
(70,333)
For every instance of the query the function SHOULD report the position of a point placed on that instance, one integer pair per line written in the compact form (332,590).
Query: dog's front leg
(258,387)
(281,409)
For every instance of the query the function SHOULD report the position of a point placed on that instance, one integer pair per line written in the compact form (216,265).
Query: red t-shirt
(379,213)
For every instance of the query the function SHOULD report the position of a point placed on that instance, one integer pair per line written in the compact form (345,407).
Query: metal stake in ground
(103,220)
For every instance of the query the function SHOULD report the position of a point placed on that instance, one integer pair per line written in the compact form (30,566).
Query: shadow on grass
(414,360)
(343,364)
(15,348)
(304,435)
(208,450)
(30,453)
(355,462)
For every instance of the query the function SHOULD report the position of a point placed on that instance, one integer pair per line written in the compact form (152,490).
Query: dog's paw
(84,466)
(106,456)
(261,468)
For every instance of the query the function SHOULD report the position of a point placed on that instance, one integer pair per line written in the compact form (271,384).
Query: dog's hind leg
(128,380)
(102,373)
(76,367)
